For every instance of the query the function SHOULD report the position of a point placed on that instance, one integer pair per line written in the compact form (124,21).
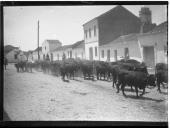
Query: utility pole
(38,41)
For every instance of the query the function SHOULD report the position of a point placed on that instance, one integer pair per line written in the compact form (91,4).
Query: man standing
(5,62)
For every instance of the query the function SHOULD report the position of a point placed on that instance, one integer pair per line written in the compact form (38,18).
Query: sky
(63,23)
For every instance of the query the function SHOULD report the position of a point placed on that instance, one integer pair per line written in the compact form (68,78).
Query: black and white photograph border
(85,62)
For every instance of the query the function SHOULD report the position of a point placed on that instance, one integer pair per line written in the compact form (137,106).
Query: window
(85,33)
(102,53)
(51,57)
(89,32)
(115,55)
(58,56)
(108,55)
(70,54)
(95,51)
(94,30)
(43,57)
(15,56)
(126,53)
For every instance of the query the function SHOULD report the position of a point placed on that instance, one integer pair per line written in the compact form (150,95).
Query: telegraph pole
(38,41)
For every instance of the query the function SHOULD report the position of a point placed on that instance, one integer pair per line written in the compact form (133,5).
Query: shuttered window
(115,55)
(89,32)
(102,53)
(95,51)
(94,30)
(85,33)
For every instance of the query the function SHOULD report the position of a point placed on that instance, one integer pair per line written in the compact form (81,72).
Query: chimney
(145,15)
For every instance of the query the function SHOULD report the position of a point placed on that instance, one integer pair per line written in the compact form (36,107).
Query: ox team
(125,72)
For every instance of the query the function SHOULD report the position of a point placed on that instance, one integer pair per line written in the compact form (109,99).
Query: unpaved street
(39,96)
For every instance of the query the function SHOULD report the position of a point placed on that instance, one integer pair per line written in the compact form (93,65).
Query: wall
(45,48)
(49,47)
(159,41)
(80,53)
(55,53)
(93,41)
(134,50)
(115,23)
(93,45)
(35,55)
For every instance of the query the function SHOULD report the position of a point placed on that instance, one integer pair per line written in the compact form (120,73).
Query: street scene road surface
(43,97)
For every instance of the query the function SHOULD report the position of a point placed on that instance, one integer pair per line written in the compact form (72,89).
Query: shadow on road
(66,81)
(143,98)
(129,90)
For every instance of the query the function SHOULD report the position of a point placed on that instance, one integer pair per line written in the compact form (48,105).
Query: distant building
(75,50)
(58,52)
(33,55)
(111,25)
(12,55)
(78,50)
(48,46)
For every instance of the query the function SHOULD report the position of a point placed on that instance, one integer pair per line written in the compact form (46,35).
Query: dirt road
(38,96)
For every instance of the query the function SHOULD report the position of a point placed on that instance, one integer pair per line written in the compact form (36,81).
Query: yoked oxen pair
(131,73)
(103,69)
(24,66)
(55,67)
(45,66)
(161,73)
(21,66)
(68,67)
(87,68)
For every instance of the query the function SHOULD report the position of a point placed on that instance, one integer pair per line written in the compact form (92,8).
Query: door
(108,55)
(126,53)
(149,56)
(91,53)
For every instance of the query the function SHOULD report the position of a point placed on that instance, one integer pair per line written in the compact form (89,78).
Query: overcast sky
(63,23)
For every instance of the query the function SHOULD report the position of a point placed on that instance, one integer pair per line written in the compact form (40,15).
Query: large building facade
(111,25)
(150,47)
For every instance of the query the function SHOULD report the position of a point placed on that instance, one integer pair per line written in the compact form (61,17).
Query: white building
(78,50)
(48,46)
(109,26)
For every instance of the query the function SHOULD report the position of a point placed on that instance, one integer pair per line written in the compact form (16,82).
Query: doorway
(108,55)
(149,56)
(91,53)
